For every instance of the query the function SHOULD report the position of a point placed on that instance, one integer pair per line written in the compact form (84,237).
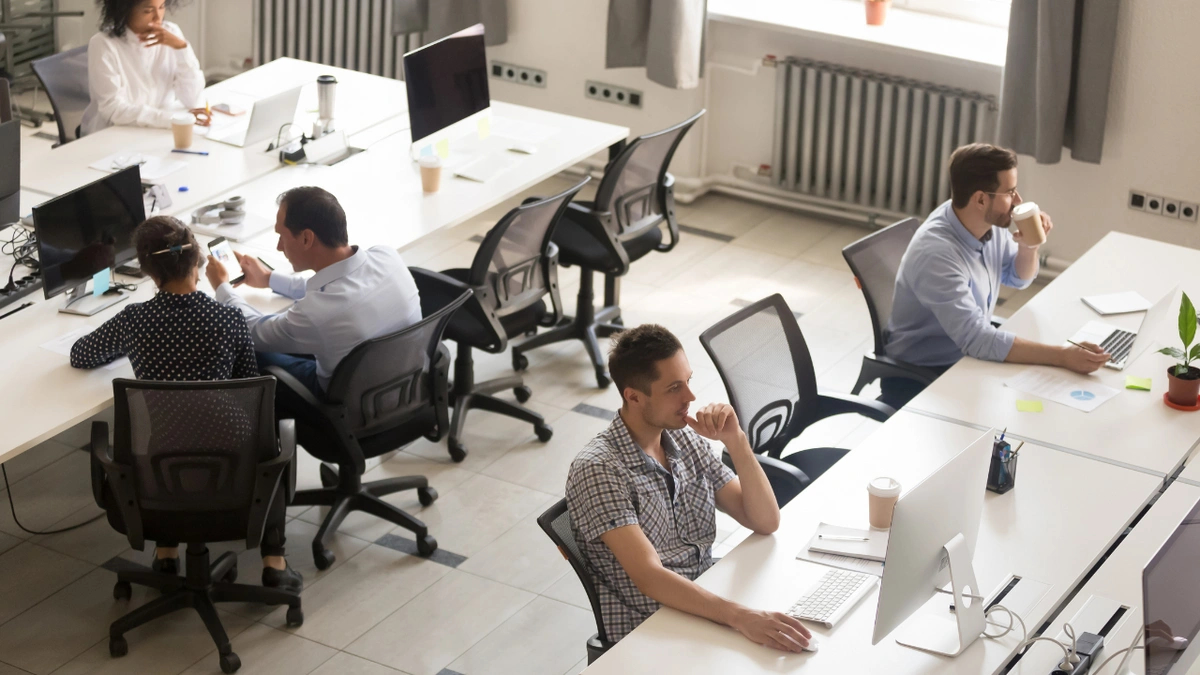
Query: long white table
(1022,532)
(1190,474)
(1134,429)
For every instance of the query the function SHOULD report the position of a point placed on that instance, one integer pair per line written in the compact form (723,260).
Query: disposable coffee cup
(882,494)
(1028,218)
(431,173)
(181,125)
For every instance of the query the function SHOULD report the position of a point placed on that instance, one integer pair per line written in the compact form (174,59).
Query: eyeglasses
(1011,193)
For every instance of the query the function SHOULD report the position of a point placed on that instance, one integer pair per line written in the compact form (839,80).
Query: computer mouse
(523,148)
(814,645)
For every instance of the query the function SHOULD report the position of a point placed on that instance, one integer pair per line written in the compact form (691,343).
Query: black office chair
(514,270)
(387,392)
(634,200)
(6,107)
(786,480)
(875,262)
(763,360)
(197,462)
(64,76)
(556,523)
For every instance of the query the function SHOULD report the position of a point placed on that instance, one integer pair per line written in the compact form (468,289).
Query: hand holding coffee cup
(1032,224)
(883,492)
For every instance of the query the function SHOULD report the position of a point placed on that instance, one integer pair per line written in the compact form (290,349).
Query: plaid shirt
(613,483)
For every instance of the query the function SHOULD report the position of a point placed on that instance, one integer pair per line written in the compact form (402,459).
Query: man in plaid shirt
(643,496)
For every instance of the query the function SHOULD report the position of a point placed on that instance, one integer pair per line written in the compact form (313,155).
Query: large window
(991,12)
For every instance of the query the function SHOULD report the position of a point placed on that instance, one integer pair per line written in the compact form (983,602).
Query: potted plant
(877,11)
(1184,378)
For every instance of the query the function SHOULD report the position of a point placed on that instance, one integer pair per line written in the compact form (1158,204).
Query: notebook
(875,548)
(1117,303)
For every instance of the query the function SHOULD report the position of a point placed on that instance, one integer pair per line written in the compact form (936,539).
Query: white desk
(1135,428)
(1119,579)
(1022,532)
(1191,473)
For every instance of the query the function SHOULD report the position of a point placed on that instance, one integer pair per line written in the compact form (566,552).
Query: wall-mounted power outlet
(1167,207)
(1137,200)
(1170,208)
(612,93)
(1188,211)
(1154,204)
(519,74)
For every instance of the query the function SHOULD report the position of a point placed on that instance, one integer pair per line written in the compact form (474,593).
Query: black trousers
(898,391)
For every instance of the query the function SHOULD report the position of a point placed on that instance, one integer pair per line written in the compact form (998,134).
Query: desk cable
(1070,655)
(13,509)
(1114,655)
(22,246)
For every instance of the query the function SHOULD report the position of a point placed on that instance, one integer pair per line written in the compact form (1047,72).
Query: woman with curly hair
(140,68)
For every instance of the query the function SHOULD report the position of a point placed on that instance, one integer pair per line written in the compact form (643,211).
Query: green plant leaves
(1187,321)
(1173,352)
(1195,355)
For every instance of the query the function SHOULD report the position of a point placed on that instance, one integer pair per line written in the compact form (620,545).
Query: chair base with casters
(468,395)
(204,585)
(876,367)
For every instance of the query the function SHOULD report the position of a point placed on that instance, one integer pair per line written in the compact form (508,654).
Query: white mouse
(523,148)
(814,645)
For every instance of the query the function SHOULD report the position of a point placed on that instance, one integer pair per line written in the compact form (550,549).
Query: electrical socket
(1154,204)
(613,94)
(519,74)
(1188,211)
(1137,200)
(1170,208)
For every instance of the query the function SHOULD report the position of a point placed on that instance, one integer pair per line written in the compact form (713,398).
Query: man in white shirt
(356,294)
(140,68)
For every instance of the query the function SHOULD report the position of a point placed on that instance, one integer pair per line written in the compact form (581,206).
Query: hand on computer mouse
(772,629)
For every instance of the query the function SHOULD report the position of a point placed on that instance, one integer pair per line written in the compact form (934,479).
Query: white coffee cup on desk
(1028,219)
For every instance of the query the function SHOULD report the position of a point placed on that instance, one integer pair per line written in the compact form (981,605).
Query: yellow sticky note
(443,148)
(1029,406)
(1140,383)
(485,127)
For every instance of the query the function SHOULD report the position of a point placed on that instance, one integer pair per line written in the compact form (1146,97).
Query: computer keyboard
(486,167)
(828,600)
(1118,344)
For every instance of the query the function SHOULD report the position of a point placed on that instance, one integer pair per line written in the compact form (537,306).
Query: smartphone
(220,250)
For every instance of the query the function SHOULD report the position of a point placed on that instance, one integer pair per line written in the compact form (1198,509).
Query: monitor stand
(940,634)
(85,304)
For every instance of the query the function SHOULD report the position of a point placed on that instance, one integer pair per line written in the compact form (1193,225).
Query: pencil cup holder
(1002,470)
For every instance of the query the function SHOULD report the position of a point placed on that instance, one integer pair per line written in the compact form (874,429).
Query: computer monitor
(10,176)
(447,82)
(1171,601)
(932,541)
(86,231)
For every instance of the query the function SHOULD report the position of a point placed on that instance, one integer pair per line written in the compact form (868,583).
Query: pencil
(1083,348)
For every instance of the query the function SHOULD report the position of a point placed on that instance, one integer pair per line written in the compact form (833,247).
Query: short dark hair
(114,14)
(975,168)
(635,353)
(162,233)
(311,208)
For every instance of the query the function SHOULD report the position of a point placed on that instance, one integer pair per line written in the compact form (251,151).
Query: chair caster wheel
(117,647)
(323,558)
(458,452)
(544,432)
(426,545)
(427,495)
(123,590)
(520,361)
(329,476)
(230,663)
(522,393)
(602,379)
(230,576)
(295,617)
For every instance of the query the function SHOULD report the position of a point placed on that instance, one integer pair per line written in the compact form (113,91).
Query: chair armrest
(786,480)
(439,370)
(287,446)
(830,404)
(556,312)
(593,222)
(668,207)
(286,379)
(905,370)
(266,482)
(119,478)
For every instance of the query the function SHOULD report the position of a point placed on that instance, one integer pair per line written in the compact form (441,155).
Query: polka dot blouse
(173,337)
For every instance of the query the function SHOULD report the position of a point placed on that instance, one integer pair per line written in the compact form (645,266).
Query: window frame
(987,12)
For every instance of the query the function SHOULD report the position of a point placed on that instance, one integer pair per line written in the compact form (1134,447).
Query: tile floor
(498,598)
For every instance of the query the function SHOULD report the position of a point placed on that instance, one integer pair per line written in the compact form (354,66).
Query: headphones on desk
(228,212)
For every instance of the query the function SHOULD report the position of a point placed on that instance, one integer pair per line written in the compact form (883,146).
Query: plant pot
(877,11)
(1184,391)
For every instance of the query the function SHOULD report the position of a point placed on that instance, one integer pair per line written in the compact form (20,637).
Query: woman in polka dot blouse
(183,334)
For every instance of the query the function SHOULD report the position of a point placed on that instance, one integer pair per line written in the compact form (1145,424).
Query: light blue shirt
(367,295)
(946,291)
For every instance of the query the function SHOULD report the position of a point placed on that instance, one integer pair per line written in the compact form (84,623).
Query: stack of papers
(1076,392)
(153,169)
(1117,303)
(841,547)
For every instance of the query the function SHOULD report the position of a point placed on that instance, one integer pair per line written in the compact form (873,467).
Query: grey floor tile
(559,630)
(49,495)
(544,466)
(6,669)
(577,668)
(35,458)
(786,233)
(97,542)
(30,574)
(828,251)
(348,664)
(483,508)
(266,651)
(567,588)
(523,557)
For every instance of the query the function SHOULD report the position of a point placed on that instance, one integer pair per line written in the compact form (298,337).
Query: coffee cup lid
(1024,209)
(884,487)
(183,118)
(430,161)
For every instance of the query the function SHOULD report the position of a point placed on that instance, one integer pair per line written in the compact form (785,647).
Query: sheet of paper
(1076,393)
(153,168)
(1117,303)
(842,562)
(1139,383)
(62,344)
(1029,406)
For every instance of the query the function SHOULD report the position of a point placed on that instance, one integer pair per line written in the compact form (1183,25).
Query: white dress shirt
(367,295)
(131,84)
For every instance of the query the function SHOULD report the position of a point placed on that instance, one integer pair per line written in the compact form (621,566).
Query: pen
(1084,348)
(207,109)
(265,263)
(1003,432)
(1019,446)
(14,311)
(191,152)
(839,537)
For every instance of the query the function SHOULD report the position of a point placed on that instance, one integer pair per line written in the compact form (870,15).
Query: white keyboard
(486,167)
(828,600)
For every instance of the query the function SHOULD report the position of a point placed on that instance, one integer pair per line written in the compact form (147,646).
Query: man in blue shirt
(950,276)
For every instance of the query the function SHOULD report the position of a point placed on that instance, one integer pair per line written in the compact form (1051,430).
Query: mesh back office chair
(514,270)
(875,262)
(6,107)
(634,200)
(387,392)
(64,76)
(556,523)
(197,462)
(764,362)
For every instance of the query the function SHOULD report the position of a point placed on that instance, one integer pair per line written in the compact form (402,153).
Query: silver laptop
(1123,346)
(266,119)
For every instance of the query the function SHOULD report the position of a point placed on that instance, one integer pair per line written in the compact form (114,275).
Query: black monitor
(10,172)
(1171,599)
(88,230)
(447,81)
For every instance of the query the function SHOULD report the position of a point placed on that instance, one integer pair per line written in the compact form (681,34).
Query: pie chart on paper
(1082,395)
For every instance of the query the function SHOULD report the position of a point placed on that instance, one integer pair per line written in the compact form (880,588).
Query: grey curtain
(439,18)
(665,36)
(1056,77)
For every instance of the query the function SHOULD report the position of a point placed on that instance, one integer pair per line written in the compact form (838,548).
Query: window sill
(943,38)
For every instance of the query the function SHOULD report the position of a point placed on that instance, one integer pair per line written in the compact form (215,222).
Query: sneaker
(165,565)
(286,579)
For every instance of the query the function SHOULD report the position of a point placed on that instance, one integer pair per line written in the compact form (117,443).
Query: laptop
(1122,345)
(1171,602)
(266,119)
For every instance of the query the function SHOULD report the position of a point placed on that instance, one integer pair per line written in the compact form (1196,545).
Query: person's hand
(159,35)
(772,629)
(216,272)
(1088,358)
(203,118)
(257,274)
(1047,225)
(716,422)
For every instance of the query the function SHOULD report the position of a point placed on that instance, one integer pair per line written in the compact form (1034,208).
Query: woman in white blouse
(140,68)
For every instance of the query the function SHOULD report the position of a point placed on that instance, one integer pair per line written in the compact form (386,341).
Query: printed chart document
(1085,396)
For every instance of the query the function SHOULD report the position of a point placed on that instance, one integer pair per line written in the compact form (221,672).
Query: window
(990,12)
